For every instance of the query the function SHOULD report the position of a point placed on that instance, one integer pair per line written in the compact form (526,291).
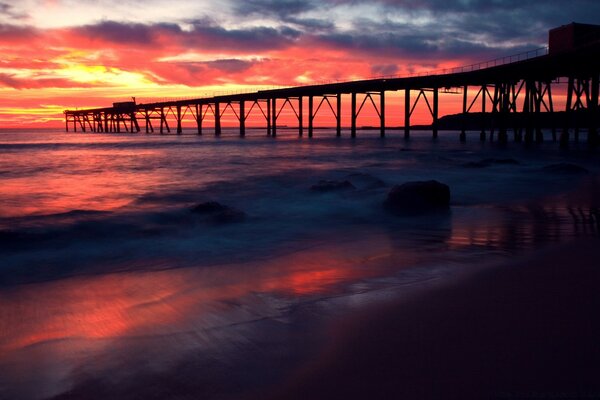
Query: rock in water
(209,207)
(421,197)
(219,213)
(331,186)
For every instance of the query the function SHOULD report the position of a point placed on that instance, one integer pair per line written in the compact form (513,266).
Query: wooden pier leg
(564,135)
(66,123)
(382,113)
(217,119)
(268,117)
(484,93)
(527,109)
(162,119)
(435,112)
(552,116)
(593,111)
(353,116)
(199,118)
(242,118)
(463,130)
(274,116)
(338,128)
(539,135)
(310,116)
(179,130)
(406,113)
(135,122)
(300,117)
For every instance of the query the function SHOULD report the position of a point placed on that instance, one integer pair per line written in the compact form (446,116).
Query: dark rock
(419,197)
(209,207)
(332,186)
(564,168)
(219,213)
(490,161)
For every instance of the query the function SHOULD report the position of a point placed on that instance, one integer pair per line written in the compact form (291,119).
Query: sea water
(111,287)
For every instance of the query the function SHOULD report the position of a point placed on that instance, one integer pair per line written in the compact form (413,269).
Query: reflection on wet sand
(79,321)
(517,226)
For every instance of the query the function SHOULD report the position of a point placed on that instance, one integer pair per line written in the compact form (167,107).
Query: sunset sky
(58,54)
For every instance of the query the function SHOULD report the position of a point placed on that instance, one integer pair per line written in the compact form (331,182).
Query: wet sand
(529,329)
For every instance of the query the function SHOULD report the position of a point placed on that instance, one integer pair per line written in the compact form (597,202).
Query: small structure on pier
(571,37)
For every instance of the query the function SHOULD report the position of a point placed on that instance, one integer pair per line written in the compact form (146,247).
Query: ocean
(112,287)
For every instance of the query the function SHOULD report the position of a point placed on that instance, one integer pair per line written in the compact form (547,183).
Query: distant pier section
(513,94)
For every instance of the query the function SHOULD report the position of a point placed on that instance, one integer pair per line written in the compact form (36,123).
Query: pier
(499,89)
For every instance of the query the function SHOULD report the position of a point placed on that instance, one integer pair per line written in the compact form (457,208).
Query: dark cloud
(129,33)
(203,35)
(13,32)
(252,39)
(231,65)
(11,81)
(283,9)
(384,69)
(8,10)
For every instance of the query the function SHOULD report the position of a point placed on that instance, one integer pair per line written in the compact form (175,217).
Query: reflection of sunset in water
(162,302)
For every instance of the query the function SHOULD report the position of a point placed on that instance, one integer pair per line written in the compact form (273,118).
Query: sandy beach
(523,330)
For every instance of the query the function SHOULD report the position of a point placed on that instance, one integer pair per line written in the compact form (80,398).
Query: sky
(63,54)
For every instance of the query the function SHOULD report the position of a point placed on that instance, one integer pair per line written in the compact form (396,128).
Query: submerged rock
(219,213)
(564,168)
(332,186)
(420,197)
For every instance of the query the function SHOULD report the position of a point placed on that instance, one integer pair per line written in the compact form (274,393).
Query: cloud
(11,81)
(7,11)
(127,33)
(283,9)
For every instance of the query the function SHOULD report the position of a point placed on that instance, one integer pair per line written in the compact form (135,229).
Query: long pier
(518,85)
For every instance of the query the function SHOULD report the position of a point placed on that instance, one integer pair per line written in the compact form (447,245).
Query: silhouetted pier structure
(500,86)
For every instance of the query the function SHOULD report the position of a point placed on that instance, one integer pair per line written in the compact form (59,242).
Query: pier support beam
(311,116)
(382,114)
(300,117)
(353,116)
(435,112)
(593,111)
(217,113)
(179,129)
(463,130)
(274,116)
(268,117)
(484,95)
(242,117)
(407,113)
(338,127)
(199,118)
